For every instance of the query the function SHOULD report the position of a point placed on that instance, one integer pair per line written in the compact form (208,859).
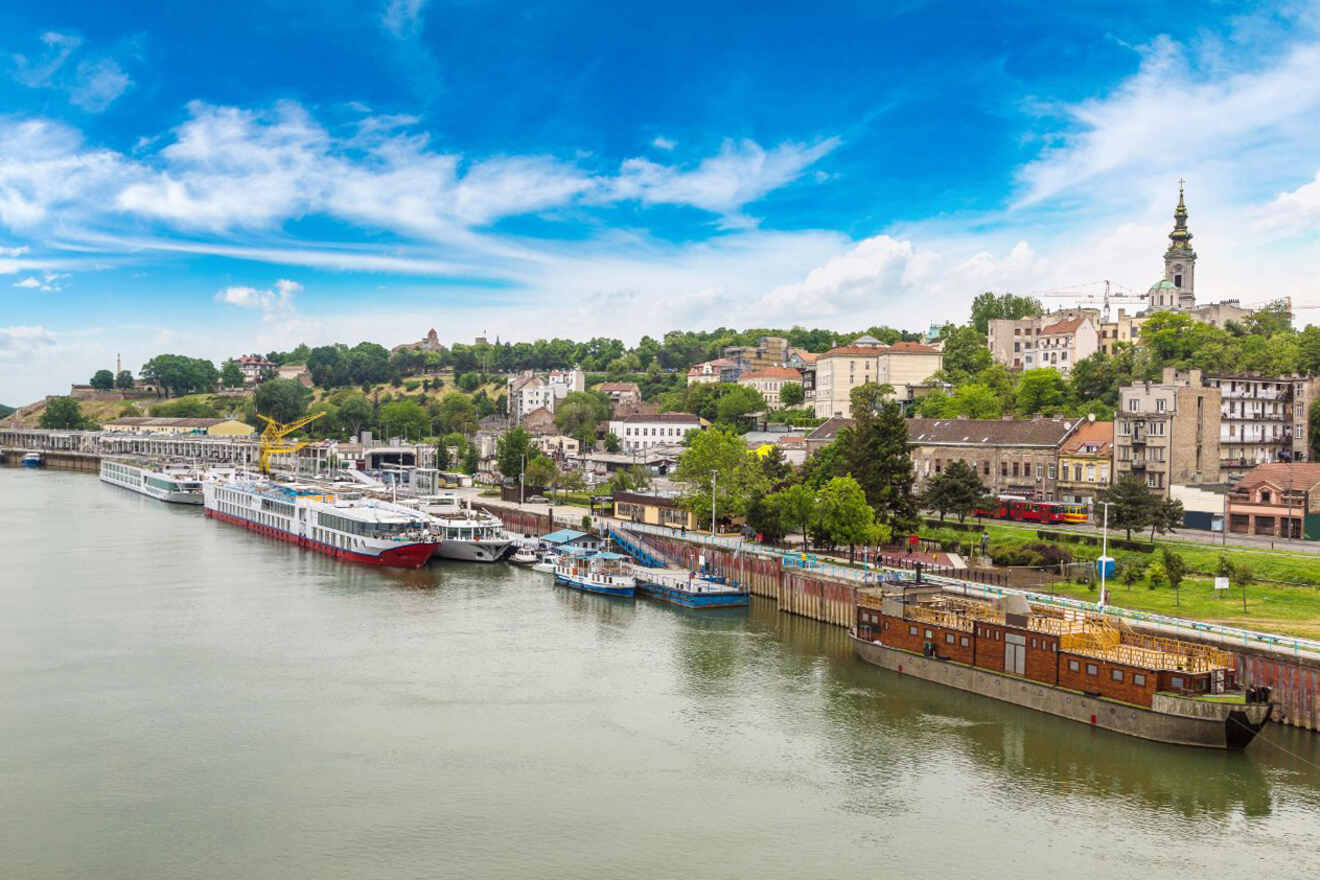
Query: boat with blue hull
(32,460)
(606,574)
(692,590)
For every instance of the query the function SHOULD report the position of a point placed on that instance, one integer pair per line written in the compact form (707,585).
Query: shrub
(411,384)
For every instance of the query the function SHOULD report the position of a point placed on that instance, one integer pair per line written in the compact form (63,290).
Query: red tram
(1026,510)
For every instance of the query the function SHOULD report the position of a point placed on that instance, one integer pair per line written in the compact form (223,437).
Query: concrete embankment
(56,460)
(1293,676)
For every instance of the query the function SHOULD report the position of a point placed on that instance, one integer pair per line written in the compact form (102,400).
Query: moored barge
(607,574)
(1072,664)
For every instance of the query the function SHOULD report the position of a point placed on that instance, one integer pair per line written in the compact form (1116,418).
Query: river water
(179,698)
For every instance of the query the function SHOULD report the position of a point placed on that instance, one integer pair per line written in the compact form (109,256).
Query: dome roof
(1162,284)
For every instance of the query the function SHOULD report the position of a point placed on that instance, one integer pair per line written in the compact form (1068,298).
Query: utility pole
(522,478)
(1104,552)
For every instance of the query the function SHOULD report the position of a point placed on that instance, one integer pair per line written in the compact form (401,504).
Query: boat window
(948,638)
(1177,682)
(964,641)
(1139,679)
(1092,669)
(1116,674)
(912,630)
(1074,666)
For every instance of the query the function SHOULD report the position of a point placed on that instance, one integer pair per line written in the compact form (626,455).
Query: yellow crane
(272,438)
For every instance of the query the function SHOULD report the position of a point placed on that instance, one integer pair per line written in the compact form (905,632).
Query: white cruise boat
(343,525)
(174,484)
(607,574)
(465,534)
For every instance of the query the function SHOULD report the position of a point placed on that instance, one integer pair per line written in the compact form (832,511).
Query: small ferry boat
(525,553)
(692,590)
(608,574)
(465,534)
(32,460)
(175,485)
(1077,665)
(344,525)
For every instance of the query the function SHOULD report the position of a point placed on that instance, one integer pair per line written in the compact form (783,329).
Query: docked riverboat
(174,485)
(344,525)
(465,534)
(608,574)
(32,460)
(690,590)
(1072,664)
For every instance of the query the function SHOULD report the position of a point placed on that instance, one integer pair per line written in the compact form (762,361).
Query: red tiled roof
(1301,475)
(856,351)
(1067,326)
(772,373)
(990,432)
(618,386)
(1099,433)
(914,347)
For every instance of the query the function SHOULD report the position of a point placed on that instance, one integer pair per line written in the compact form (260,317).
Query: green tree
(178,374)
(1175,569)
(355,413)
(843,514)
(469,382)
(124,381)
(791,394)
(231,376)
(1313,426)
(1041,391)
(633,478)
(1132,506)
(187,408)
(63,413)
(878,457)
(515,447)
(403,418)
(797,507)
(442,459)
(957,490)
(283,400)
(764,519)
(988,306)
(578,414)
(736,403)
(612,442)
(103,380)
(1166,515)
(456,413)
(775,466)
(720,457)
(965,353)
(541,473)
(1242,576)
(471,461)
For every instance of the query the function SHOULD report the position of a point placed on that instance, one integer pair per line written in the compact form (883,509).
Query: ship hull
(690,599)
(404,556)
(621,592)
(1217,726)
(472,551)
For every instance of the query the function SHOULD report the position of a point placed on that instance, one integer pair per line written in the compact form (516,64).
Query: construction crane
(272,438)
(1078,294)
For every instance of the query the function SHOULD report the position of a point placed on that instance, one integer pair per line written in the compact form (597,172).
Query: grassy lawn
(1275,608)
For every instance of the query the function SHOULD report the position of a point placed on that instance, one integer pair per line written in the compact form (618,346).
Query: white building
(640,432)
(529,392)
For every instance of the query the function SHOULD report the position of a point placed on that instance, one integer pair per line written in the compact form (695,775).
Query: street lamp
(1104,552)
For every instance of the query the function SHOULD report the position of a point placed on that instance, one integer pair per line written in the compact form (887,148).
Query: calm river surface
(179,698)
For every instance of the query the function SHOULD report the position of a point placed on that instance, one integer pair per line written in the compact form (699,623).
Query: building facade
(1279,500)
(903,365)
(1041,340)
(1168,432)
(620,393)
(769,381)
(1124,328)
(1011,456)
(529,391)
(637,433)
(1085,462)
(718,370)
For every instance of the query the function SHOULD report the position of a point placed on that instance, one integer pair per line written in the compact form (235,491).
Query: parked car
(538,499)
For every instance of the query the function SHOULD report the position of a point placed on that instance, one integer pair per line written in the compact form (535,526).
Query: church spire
(1181,239)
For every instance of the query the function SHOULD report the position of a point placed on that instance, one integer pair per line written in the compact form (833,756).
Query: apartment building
(1085,462)
(1012,456)
(1058,340)
(640,432)
(529,391)
(1281,499)
(769,351)
(1262,419)
(1168,432)
(718,370)
(904,365)
(1124,328)
(769,381)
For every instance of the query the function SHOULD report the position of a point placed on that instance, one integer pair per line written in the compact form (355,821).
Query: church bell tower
(1180,259)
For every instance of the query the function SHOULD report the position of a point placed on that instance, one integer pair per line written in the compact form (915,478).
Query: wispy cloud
(663,143)
(47,282)
(22,343)
(402,18)
(93,84)
(275,303)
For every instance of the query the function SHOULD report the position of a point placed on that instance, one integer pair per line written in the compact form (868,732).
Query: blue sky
(214,180)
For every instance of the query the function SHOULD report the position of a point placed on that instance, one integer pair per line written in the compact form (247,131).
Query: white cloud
(1182,109)
(663,143)
(93,84)
(30,282)
(98,84)
(45,169)
(13,251)
(1298,210)
(740,173)
(23,343)
(275,303)
(403,18)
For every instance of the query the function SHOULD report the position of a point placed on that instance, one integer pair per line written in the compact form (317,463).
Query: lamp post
(713,476)
(1104,552)
(522,478)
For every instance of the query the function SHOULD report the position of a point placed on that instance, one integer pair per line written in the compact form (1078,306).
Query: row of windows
(655,432)
(256,516)
(358,527)
(1138,678)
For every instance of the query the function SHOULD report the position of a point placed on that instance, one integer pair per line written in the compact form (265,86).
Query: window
(1074,666)
(929,634)
(1132,405)
(1052,471)
(1159,405)
(1092,669)
(948,638)
(963,640)
(1177,682)
(1139,679)
(912,630)
(1116,674)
